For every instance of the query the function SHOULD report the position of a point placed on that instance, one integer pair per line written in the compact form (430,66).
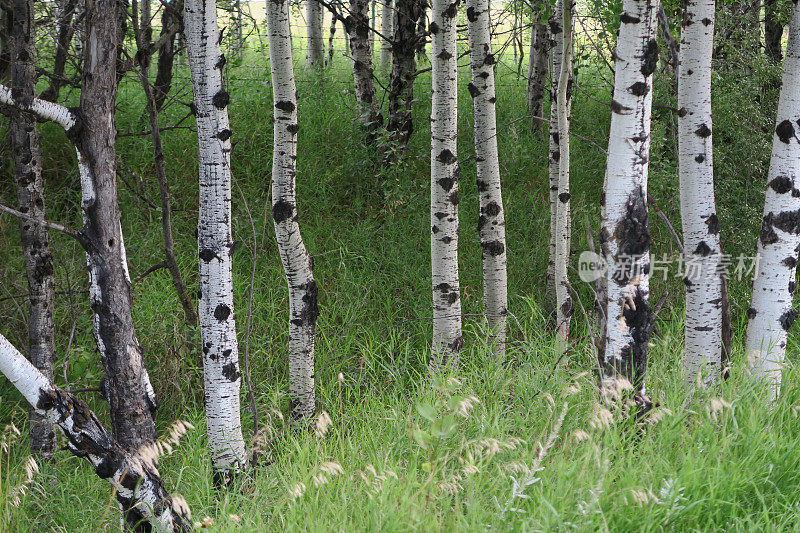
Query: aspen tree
(447,340)
(315,52)
(625,236)
(771,313)
(387,33)
(222,377)
(297,263)
(27,155)
(701,242)
(361,50)
(491,222)
(537,71)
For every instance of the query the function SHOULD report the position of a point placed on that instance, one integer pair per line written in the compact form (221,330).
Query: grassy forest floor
(708,462)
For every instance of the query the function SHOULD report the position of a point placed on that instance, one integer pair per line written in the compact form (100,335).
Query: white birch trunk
(222,377)
(387,33)
(447,340)
(703,281)
(563,226)
(296,260)
(315,53)
(137,483)
(771,313)
(625,234)
(491,222)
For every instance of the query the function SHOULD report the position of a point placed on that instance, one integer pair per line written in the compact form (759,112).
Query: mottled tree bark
(537,72)
(387,33)
(297,262)
(315,52)
(701,241)
(771,313)
(221,373)
(404,66)
(27,157)
(445,170)
(357,25)
(138,487)
(491,222)
(625,235)
(773,30)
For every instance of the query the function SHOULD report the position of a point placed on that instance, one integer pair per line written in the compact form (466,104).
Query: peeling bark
(625,234)
(701,240)
(491,221)
(445,170)
(35,241)
(221,373)
(140,492)
(771,313)
(297,263)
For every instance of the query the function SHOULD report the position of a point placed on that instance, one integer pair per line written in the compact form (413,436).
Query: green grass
(368,231)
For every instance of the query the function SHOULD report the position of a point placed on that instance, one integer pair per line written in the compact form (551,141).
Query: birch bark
(491,221)
(137,484)
(27,157)
(625,234)
(387,25)
(537,71)
(703,281)
(297,263)
(222,377)
(771,313)
(445,169)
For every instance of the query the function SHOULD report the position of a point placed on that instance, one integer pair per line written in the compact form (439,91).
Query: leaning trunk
(771,313)
(445,169)
(296,260)
(214,239)
(491,222)
(701,241)
(137,484)
(27,157)
(625,235)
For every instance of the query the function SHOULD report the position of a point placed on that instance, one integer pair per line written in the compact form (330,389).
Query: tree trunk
(5,42)
(625,235)
(563,224)
(27,156)
(491,222)
(331,37)
(773,30)
(127,385)
(559,200)
(297,263)
(65,30)
(445,169)
(170,16)
(701,241)
(136,481)
(222,377)
(771,313)
(315,54)
(387,34)
(361,51)
(537,72)
(422,31)
(404,66)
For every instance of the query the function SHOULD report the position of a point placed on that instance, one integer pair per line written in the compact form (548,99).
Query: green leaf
(427,411)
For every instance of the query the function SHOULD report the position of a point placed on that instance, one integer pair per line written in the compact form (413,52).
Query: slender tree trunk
(214,239)
(771,313)
(491,222)
(537,72)
(445,169)
(422,36)
(625,233)
(79,30)
(137,484)
(387,26)
(170,16)
(563,217)
(773,30)
(361,51)
(555,153)
(331,37)
(127,385)
(372,23)
(701,240)
(401,83)
(315,54)
(27,156)
(297,263)
(65,30)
